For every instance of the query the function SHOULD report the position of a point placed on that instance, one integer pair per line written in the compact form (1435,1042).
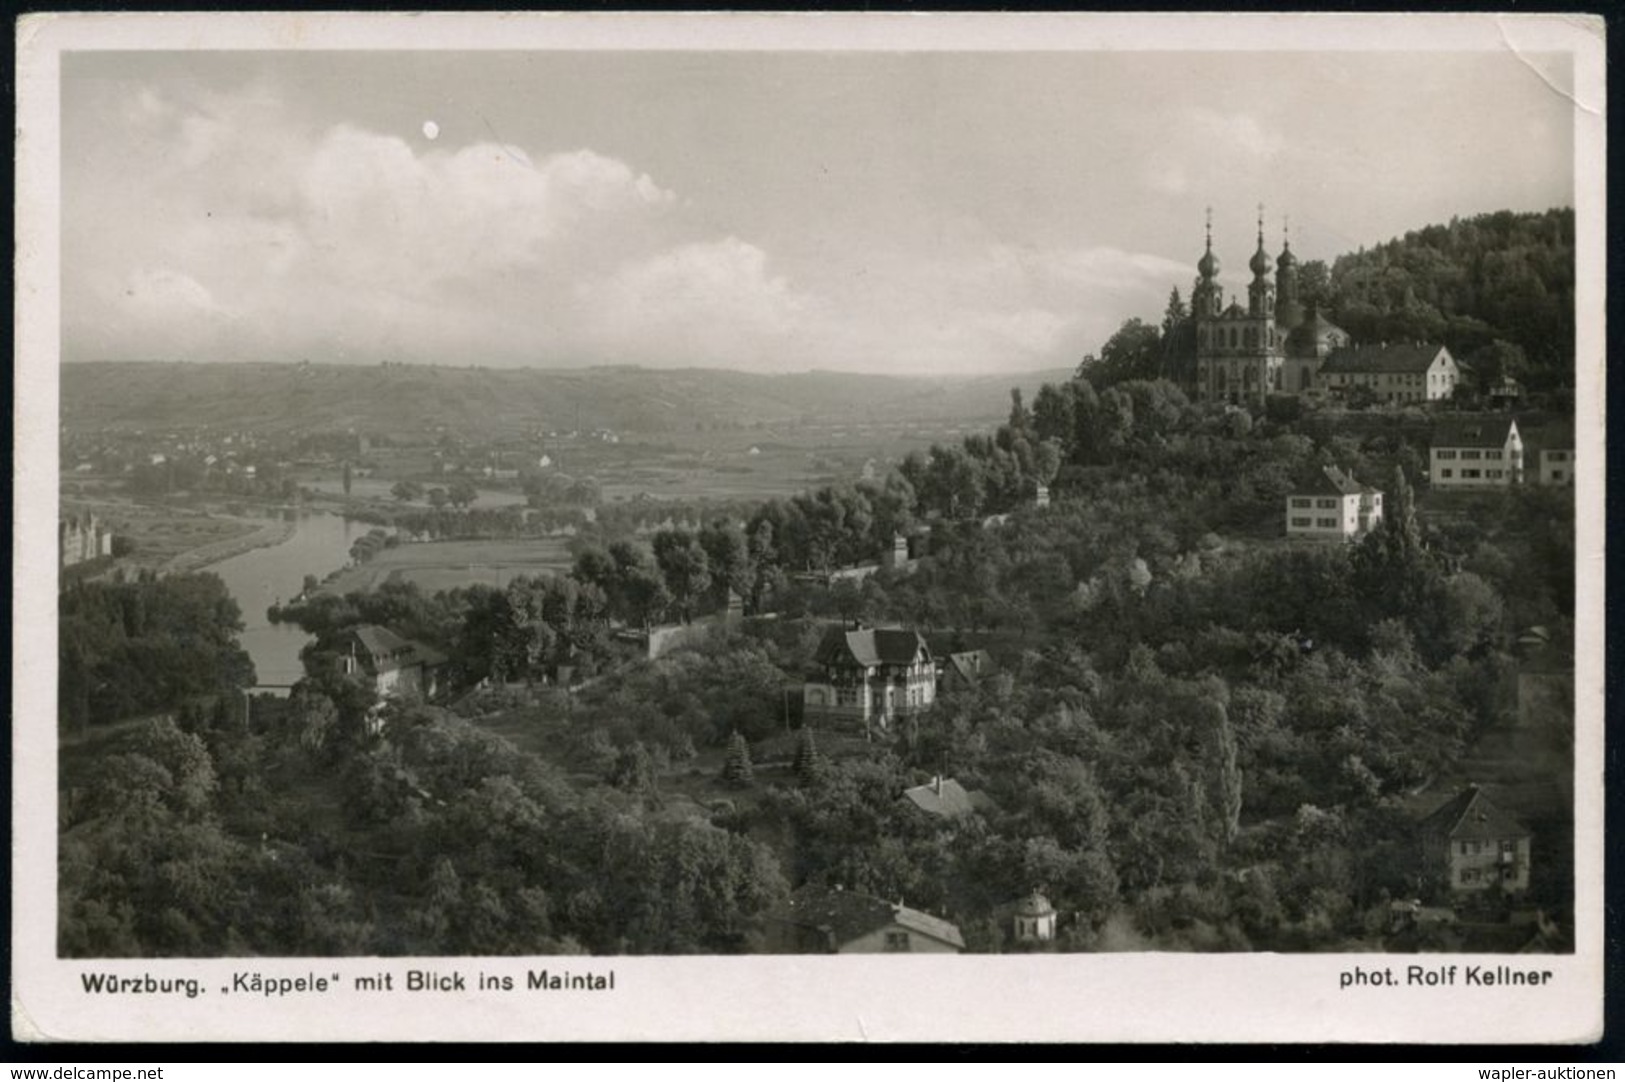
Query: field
(758,463)
(163,534)
(444,565)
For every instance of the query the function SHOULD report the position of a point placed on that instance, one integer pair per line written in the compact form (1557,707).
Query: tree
(1314,286)
(1052,413)
(809,764)
(634,770)
(1497,361)
(1021,419)
(311,719)
(684,567)
(728,557)
(1046,461)
(644,595)
(736,768)
(1175,314)
(1226,774)
(438,497)
(1133,352)
(462,493)
(407,491)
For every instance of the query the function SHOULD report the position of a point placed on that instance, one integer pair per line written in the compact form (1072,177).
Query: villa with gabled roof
(822,920)
(1475,845)
(864,678)
(391,664)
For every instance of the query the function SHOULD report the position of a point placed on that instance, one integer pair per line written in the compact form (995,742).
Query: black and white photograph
(551,510)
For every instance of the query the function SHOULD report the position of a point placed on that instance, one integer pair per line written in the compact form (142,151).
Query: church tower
(1289,309)
(1207,299)
(1261,293)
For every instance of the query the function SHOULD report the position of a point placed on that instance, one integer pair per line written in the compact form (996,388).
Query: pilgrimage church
(1246,353)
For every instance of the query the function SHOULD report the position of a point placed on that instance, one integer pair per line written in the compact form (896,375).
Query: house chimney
(936,784)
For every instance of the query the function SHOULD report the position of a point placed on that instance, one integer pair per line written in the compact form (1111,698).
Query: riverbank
(268,533)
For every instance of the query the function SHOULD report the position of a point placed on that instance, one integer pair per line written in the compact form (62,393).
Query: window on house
(1444,454)
(897,941)
(1325,503)
(1326,523)
(1508,874)
(1301,522)
(1508,845)
(1302,501)
(1447,473)
(1469,875)
(1470,454)
(1463,848)
(1557,475)
(1494,474)
(1471,473)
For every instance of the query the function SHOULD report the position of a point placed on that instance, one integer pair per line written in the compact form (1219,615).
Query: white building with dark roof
(1411,373)
(1476,454)
(865,677)
(1330,505)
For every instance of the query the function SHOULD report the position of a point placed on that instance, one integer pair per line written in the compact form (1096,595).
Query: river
(260,577)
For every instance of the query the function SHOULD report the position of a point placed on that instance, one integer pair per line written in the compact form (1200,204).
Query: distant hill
(398,399)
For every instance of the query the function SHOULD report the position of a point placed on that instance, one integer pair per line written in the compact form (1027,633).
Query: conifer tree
(736,769)
(809,762)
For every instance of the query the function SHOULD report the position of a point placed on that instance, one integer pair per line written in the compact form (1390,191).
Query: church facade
(1270,345)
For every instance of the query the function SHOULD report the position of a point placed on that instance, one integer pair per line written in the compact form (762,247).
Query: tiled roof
(846,915)
(926,924)
(946,798)
(1034,905)
(386,651)
(1469,816)
(871,646)
(1331,481)
(1405,357)
(1473,433)
(379,641)
(1553,437)
(971,664)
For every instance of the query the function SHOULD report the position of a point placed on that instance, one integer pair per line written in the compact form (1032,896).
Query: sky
(920,212)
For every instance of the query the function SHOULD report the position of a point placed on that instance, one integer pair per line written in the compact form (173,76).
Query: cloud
(699,301)
(1201,142)
(211,226)
(1222,132)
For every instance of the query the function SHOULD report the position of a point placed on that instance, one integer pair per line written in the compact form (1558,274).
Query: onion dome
(1287,260)
(1316,336)
(1208,265)
(1260,263)
(1034,905)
